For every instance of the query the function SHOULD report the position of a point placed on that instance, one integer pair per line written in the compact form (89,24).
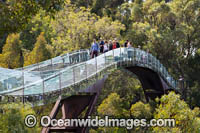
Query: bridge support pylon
(74,107)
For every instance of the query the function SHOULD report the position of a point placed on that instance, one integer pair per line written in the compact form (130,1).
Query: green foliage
(167,30)
(125,85)
(111,106)
(106,7)
(137,34)
(73,29)
(39,53)
(39,23)
(108,29)
(171,106)
(12,54)
(76,28)
(12,117)
(116,101)
(16,14)
(193,98)
(140,110)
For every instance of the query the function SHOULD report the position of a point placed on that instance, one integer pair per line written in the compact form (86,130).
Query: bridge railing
(77,73)
(148,60)
(80,55)
(14,78)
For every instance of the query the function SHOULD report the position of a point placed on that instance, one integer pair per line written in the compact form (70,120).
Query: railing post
(113,53)
(23,86)
(120,56)
(104,59)
(86,71)
(73,75)
(63,61)
(43,87)
(132,58)
(60,87)
(126,59)
(79,53)
(38,66)
(96,66)
(147,59)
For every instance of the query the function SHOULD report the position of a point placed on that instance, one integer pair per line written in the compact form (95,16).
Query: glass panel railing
(67,77)
(100,62)
(109,57)
(79,72)
(56,60)
(33,89)
(47,81)
(91,67)
(52,84)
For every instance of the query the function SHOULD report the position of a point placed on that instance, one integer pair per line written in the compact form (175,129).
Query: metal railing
(77,73)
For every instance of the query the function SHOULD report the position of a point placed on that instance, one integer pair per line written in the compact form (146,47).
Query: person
(114,44)
(129,44)
(126,44)
(117,43)
(110,45)
(101,45)
(105,47)
(94,49)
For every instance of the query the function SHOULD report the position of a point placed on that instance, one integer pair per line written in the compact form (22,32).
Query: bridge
(74,81)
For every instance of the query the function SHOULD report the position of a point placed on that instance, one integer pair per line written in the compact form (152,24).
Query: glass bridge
(70,69)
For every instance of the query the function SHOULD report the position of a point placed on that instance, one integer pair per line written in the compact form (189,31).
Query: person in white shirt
(105,49)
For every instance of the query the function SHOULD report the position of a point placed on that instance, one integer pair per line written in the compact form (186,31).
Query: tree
(106,7)
(73,29)
(108,29)
(39,23)
(140,110)
(168,30)
(16,14)
(12,117)
(194,80)
(171,106)
(76,28)
(130,93)
(40,51)
(137,35)
(111,106)
(12,54)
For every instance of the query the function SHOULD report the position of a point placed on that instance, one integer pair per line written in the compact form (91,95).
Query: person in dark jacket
(126,44)
(110,45)
(117,43)
(101,45)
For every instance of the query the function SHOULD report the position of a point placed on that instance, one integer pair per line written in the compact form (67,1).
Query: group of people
(105,46)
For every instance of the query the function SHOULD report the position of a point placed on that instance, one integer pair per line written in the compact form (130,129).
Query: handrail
(79,72)
(52,61)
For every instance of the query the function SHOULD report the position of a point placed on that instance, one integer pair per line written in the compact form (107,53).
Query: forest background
(32,31)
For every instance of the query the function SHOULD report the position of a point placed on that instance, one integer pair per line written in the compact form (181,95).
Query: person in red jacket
(114,44)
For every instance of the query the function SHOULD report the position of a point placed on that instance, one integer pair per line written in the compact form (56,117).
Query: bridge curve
(74,78)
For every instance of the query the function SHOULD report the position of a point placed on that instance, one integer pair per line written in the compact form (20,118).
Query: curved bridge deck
(29,85)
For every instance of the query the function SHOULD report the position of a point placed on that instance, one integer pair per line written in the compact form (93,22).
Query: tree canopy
(12,54)
(32,31)
(40,52)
